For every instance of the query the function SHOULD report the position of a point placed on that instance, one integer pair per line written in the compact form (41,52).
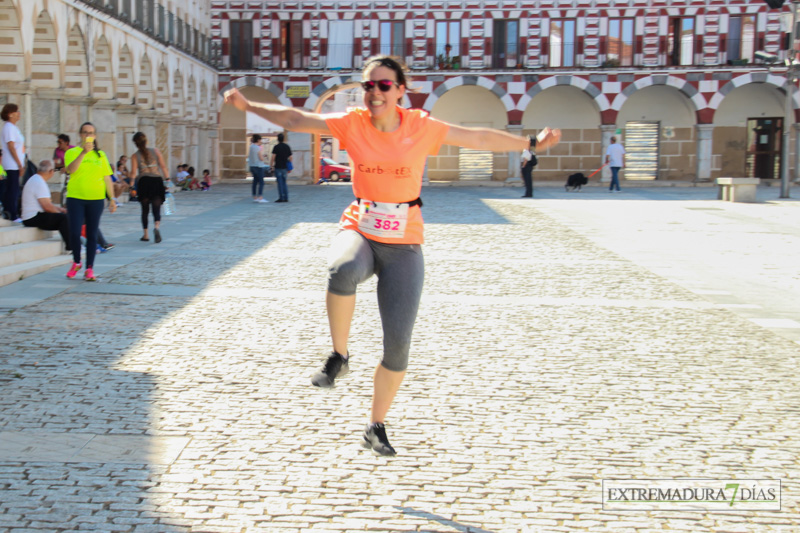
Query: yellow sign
(298,91)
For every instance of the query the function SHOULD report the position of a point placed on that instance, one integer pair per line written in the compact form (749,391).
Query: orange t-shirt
(388,167)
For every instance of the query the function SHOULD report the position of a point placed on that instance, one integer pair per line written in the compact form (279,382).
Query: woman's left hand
(547,138)
(112,206)
(236,99)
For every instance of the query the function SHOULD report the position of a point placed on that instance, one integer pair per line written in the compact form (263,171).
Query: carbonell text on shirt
(379,170)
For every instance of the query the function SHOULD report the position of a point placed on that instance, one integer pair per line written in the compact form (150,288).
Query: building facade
(679,82)
(125,65)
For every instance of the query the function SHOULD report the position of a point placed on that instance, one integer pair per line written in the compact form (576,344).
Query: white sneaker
(262,201)
(256,201)
(18,220)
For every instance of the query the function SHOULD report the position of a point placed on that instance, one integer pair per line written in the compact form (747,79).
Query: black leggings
(400,269)
(146,203)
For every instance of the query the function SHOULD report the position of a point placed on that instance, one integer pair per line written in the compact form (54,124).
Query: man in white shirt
(38,210)
(615,158)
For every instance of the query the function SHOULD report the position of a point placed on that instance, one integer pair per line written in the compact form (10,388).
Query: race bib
(383,219)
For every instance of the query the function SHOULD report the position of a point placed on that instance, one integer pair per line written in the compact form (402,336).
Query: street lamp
(791,77)
(788,118)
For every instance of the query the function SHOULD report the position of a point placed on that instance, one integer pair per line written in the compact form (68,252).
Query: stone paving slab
(545,360)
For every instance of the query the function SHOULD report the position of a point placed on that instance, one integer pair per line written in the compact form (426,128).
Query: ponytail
(140,140)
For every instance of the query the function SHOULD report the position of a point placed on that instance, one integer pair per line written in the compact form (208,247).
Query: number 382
(387,224)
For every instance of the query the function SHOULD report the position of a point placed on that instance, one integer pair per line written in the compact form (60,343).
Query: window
(505,44)
(170,27)
(291,44)
(138,15)
(179,24)
(150,11)
(680,46)
(162,21)
(562,43)
(448,32)
(392,39)
(340,44)
(620,41)
(241,40)
(741,38)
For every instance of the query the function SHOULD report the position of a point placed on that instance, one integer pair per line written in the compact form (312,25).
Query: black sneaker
(336,366)
(375,439)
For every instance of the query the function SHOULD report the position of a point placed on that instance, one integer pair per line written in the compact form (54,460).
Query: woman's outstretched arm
(497,140)
(288,117)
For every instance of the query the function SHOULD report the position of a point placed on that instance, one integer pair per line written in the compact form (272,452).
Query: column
(45,125)
(300,143)
(704,145)
(606,132)
(515,157)
(796,127)
(127,125)
(104,117)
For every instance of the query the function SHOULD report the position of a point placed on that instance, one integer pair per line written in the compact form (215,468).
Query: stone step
(16,233)
(13,273)
(25,252)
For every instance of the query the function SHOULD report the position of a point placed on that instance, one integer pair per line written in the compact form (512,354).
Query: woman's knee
(395,358)
(344,277)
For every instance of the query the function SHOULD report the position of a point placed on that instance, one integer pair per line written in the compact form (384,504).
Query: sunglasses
(383,85)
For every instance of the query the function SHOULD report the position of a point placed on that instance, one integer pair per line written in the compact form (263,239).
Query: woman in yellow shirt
(89,185)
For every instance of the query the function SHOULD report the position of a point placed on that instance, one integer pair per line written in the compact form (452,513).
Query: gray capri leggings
(400,269)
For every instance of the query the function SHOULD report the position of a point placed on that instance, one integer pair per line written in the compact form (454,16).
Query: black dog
(576,181)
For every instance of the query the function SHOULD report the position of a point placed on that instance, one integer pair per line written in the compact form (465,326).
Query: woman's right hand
(88,146)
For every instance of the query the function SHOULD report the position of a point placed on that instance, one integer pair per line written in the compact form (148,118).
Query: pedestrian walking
(13,146)
(147,164)
(615,158)
(38,210)
(528,162)
(381,232)
(281,162)
(89,185)
(255,160)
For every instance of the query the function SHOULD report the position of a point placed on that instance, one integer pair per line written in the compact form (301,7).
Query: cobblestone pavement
(561,341)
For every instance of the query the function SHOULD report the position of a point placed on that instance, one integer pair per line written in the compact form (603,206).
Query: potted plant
(441,59)
(455,62)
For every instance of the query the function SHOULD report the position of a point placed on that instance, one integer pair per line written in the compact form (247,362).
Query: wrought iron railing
(159,24)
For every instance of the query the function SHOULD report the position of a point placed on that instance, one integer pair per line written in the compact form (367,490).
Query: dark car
(330,170)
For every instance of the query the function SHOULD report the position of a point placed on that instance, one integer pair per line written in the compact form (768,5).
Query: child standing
(169,198)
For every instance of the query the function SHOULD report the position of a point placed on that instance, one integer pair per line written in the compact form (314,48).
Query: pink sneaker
(89,275)
(73,271)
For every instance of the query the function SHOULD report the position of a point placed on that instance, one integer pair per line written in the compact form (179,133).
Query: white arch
(480,81)
(250,81)
(683,86)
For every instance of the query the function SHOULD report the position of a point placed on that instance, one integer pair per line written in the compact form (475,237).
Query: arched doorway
(475,106)
(748,125)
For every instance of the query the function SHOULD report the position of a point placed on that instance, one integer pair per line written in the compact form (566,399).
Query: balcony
(153,20)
